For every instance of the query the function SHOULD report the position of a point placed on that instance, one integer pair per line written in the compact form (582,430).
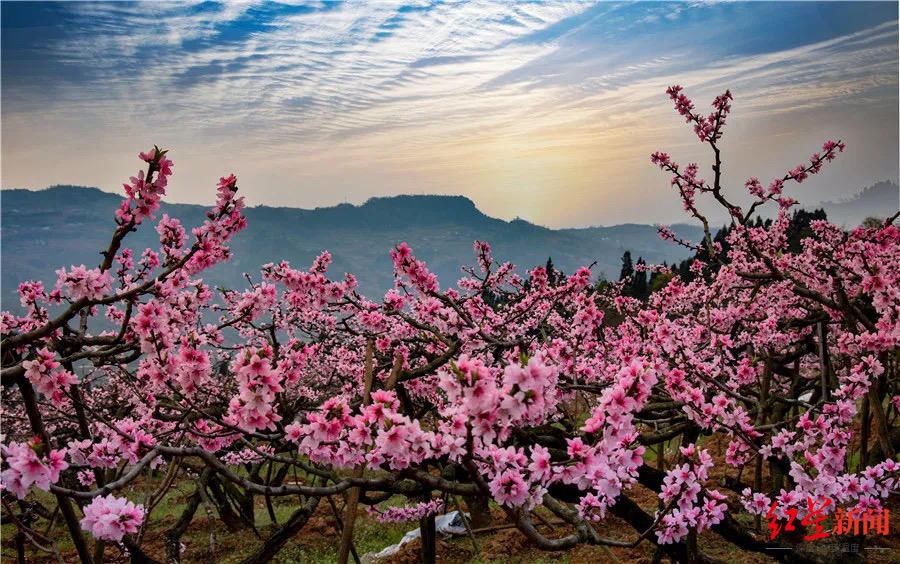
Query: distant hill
(64,225)
(880,200)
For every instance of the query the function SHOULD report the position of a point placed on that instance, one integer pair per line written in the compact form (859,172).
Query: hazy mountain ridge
(46,229)
(64,225)
(880,200)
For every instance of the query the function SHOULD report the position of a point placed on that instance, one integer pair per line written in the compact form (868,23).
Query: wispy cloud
(545,110)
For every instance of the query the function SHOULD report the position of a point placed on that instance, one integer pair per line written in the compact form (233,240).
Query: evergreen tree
(627,266)
(798,230)
(639,288)
(627,273)
(551,272)
(800,227)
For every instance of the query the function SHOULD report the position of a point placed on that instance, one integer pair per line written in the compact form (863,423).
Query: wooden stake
(353,494)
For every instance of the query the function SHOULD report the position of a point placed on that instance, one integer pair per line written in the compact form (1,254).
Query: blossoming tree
(530,390)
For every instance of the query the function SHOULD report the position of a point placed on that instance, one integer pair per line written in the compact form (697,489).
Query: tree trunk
(65,504)
(479,511)
(232,520)
(138,556)
(276,542)
(20,547)
(864,435)
(429,538)
(173,535)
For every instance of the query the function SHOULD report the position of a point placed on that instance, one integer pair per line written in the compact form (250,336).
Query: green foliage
(872,222)
(659,281)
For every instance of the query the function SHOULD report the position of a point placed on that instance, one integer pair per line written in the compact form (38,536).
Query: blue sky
(546,111)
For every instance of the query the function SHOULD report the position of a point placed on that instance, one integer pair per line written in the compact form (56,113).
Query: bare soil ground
(318,541)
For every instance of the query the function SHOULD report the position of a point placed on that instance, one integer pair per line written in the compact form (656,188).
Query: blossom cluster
(393,514)
(43,374)
(111,517)
(31,464)
(518,386)
(695,506)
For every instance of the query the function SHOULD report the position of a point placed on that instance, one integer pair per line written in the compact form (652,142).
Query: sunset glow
(544,111)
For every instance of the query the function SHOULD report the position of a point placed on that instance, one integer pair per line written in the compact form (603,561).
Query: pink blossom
(110,517)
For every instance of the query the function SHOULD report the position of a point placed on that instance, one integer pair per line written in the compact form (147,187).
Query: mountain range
(68,225)
(880,200)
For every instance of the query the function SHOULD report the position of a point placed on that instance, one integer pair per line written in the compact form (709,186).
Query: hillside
(879,200)
(43,230)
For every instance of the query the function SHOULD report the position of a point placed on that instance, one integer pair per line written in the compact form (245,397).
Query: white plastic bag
(448,524)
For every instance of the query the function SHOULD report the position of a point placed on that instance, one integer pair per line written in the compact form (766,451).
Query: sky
(546,111)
